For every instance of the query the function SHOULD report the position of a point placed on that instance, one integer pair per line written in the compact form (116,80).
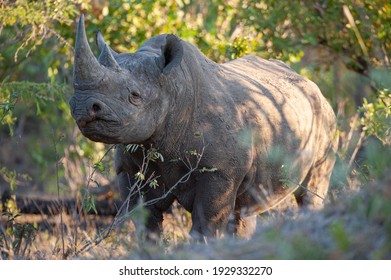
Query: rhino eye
(134,97)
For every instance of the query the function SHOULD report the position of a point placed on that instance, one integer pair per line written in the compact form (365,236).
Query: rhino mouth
(82,122)
(100,130)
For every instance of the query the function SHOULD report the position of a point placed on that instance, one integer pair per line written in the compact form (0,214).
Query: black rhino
(264,129)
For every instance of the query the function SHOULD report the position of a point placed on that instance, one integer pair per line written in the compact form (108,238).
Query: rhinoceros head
(121,98)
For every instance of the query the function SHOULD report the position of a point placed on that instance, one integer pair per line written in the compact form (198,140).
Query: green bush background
(344,46)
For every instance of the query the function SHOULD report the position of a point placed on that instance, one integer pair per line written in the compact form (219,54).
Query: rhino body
(263,129)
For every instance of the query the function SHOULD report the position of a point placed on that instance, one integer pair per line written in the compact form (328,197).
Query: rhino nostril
(96,107)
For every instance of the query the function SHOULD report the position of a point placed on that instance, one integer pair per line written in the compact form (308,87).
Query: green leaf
(89,204)
(132,147)
(205,169)
(197,134)
(99,166)
(154,184)
(139,176)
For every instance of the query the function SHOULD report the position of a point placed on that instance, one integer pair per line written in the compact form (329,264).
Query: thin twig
(81,209)
(120,218)
(305,188)
(349,137)
(356,149)
(353,25)
(58,195)
(91,180)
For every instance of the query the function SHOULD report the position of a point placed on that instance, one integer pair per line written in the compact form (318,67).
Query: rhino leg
(212,206)
(154,223)
(243,227)
(315,185)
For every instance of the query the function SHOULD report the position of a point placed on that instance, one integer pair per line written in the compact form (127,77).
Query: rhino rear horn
(107,59)
(171,54)
(100,42)
(87,68)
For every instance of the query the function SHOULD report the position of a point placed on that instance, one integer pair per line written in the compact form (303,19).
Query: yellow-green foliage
(376,119)
(348,59)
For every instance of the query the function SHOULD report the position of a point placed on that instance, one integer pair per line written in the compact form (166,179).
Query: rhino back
(281,105)
(287,122)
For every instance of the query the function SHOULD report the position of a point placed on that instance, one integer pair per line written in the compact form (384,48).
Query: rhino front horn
(87,69)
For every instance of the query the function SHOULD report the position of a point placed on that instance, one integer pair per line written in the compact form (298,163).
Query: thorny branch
(81,209)
(91,180)
(136,189)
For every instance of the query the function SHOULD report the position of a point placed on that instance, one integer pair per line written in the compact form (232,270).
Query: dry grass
(356,226)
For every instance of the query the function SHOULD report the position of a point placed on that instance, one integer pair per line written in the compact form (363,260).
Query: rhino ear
(171,54)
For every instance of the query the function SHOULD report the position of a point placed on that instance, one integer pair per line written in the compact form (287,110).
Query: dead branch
(136,189)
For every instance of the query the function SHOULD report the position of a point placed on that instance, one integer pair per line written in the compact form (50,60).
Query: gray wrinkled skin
(257,119)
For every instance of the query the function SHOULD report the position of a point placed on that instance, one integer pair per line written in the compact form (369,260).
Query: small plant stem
(356,149)
(81,208)
(58,195)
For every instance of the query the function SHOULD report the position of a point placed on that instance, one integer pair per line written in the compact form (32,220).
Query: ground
(356,226)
